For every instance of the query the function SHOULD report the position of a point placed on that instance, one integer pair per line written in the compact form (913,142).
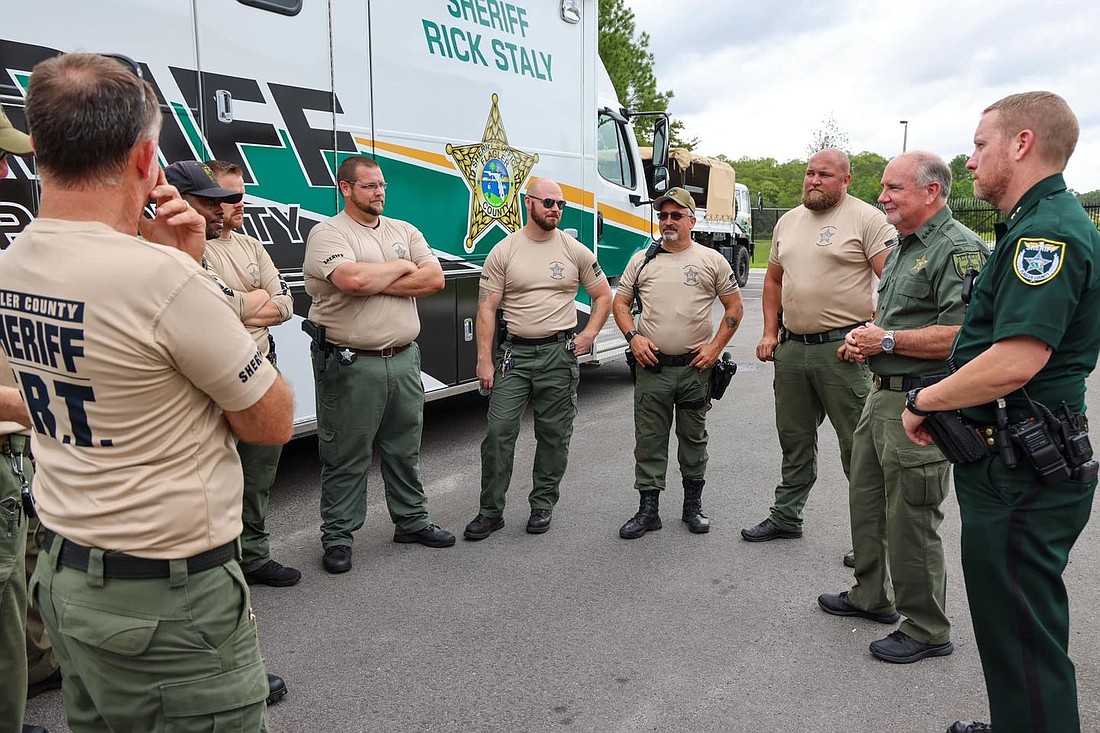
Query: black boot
(646,518)
(697,522)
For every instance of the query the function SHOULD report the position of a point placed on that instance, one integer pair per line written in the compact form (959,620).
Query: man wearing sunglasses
(676,346)
(818,287)
(533,276)
(364,272)
(136,377)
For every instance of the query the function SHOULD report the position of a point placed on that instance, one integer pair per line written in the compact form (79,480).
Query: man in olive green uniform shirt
(676,346)
(364,272)
(897,488)
(135,391)
(820,271)
(533,275)
(1031,336)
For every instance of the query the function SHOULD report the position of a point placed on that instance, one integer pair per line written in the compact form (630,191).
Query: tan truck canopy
(710,180)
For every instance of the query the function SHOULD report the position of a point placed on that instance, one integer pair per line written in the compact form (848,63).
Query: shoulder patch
(597,270)
(963,261)
(1038,261)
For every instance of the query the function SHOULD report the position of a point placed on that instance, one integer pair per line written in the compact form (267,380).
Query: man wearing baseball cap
(676,346)
(196,183)
(15,507)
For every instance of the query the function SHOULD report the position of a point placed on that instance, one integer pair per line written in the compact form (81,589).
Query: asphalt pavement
(579,630)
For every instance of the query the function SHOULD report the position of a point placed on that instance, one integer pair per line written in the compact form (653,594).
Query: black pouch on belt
(958,442)
(721,375)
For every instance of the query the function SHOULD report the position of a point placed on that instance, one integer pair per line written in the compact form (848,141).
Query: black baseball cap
(191,176)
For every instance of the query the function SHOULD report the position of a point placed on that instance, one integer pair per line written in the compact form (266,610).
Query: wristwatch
(911,404)
(629,336)
(888,343)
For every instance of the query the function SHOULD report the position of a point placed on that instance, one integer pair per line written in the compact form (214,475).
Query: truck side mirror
(660,178)
(660,143)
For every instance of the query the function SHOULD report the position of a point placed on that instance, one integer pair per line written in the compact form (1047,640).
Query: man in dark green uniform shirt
(1031,326)
(896,488)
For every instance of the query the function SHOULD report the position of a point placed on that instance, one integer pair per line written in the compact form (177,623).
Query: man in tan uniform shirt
(135,390)
(244,265)
(364,272)
(676,346)
(533,275)
(820,274)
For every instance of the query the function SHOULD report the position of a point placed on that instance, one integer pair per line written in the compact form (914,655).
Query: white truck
(462,102)
(723,210)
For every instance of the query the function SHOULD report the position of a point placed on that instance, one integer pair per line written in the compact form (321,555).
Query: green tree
(629,62)
(962,184)
(867,170)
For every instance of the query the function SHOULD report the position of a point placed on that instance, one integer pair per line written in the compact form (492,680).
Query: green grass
(760,253)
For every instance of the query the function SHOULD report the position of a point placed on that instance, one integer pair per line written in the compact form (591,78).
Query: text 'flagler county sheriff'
(465,45)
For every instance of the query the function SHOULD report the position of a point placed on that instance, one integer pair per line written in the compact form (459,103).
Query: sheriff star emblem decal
(495,173)
(1038,261)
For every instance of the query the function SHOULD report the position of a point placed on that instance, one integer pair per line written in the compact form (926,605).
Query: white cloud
(754,78)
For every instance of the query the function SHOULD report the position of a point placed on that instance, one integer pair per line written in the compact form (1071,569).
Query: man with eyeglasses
(532,275)
(364,272)
(818,288)
(135,386)
(16,507)
(676,346)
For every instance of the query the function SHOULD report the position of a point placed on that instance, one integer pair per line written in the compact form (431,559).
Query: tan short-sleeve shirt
(678,290)
(127,356)
(362,322)
(826,259)
(243,264)
(538,281)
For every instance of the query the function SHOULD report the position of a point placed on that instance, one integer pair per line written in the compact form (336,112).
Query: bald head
(834,157)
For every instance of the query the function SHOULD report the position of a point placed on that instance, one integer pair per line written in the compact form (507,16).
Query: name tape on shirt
(1038,261)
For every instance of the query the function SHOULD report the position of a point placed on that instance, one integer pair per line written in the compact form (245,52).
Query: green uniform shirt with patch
(922,284)
(1042,281)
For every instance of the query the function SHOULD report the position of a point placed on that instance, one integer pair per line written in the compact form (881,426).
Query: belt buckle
(388,352)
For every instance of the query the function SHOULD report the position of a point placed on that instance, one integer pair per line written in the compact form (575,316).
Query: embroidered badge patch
(1038,260)
(963,261)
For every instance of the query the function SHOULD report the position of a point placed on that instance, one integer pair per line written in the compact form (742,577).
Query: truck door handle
(599,225)
(224,101)
(468,329)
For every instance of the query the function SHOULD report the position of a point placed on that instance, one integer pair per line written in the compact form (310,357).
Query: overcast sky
(755,78)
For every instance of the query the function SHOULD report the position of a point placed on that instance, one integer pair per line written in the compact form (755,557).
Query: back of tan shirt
(362,322)
(826,259)
(244,265)
(538,281)
(678,290)
(126,380)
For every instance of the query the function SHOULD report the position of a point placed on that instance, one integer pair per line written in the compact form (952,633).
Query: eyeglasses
(368,186)
(551,203)
(130,64)
(674,215)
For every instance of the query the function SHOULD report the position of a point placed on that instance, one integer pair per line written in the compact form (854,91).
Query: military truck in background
(722,206)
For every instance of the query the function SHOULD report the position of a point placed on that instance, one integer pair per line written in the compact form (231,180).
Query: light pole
(904,134)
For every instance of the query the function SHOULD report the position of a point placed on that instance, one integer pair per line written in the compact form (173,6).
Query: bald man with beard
(533,275)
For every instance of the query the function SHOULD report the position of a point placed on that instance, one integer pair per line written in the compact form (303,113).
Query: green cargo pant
(544,377)
(894,496)
(41,662)
(658,396)
(810,383)
(1016,538)
(175,654)
(13,591)
(372,401)
(260,463)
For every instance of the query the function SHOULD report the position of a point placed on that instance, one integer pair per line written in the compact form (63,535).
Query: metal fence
(974,213)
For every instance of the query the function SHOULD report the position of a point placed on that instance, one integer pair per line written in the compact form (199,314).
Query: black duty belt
(119,566)
(677,360)
(384,353)
(15,444)
(837,334)
(521,341)
(905,382)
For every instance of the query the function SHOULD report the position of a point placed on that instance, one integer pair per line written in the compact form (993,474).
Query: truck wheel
(741,266)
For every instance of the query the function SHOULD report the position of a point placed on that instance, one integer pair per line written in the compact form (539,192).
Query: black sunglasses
(551,203)
(132,65)
(674,215)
